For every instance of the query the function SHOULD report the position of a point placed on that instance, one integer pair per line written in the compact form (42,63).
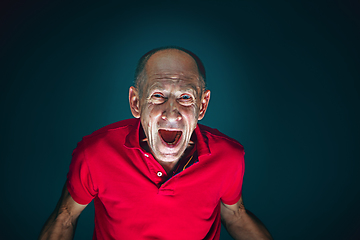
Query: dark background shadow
(284,80)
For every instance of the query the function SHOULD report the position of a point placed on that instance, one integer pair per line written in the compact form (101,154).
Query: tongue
(170,136)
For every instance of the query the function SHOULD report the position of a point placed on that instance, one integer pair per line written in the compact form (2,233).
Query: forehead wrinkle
(174,76)
(156,85)
(187,87)
(191,88)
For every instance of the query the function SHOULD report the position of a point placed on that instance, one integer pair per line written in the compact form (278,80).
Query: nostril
(171,116)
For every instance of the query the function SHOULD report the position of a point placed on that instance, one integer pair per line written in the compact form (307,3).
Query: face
(172,103)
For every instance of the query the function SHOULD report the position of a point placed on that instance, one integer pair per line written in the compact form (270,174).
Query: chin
(168,157)
(169,152)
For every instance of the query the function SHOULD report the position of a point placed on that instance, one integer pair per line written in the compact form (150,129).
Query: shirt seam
(87,165)
(92,135)
(222,137)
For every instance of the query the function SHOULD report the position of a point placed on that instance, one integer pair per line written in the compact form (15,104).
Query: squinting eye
(186,100)
(185,97)
(157,98)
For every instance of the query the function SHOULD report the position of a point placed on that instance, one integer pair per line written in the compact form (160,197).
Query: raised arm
(62,222)
(243,224)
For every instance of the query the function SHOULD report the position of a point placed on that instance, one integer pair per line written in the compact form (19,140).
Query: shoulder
(112,134)
(218,140)
(123,126)
(226,154)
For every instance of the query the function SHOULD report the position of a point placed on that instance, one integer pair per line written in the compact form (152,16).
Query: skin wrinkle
(171,108)
(169,75)
(176,78)
(158,90)
(140,73)
(143,76)
(172,68)
(172,99)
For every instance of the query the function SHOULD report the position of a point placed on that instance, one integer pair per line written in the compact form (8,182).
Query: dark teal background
(284,77)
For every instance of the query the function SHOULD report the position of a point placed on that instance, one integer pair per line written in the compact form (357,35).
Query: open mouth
(170,137)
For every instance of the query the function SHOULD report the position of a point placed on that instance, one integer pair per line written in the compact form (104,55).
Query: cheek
(190,111)
(190,115)
(150,113)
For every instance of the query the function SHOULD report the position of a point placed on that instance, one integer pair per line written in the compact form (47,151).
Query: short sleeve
(234,182)
(79,181)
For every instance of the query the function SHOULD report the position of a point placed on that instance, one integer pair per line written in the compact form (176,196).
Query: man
(160,175)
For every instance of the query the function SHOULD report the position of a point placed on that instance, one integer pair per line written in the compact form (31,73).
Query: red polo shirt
(131,197)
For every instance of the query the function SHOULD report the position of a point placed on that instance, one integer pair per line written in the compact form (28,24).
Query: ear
(134,102)
(204,104)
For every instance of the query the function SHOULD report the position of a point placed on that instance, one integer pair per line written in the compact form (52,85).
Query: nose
(171,112)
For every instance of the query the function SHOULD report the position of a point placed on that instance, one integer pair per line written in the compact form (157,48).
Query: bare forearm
(58,227)
(248,227)
(62,222)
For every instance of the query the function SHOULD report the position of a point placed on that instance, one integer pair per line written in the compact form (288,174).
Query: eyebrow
(173,76)
(187,87)
(190,90)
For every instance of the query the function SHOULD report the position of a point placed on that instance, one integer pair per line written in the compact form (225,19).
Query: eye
(158,95)
(185,97)
(157,98)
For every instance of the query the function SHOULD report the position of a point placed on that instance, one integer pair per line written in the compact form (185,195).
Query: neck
(168,166)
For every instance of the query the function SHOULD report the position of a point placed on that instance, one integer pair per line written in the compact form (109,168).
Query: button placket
(159,173)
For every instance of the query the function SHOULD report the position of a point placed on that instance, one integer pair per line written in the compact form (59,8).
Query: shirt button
(146,155)
(159,174)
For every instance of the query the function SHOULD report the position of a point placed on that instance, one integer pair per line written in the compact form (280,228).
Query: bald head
(169,97)
(166,59)
(172,60)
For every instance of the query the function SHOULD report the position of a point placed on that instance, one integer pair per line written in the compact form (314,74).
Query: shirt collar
(132,138)
(202,142)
